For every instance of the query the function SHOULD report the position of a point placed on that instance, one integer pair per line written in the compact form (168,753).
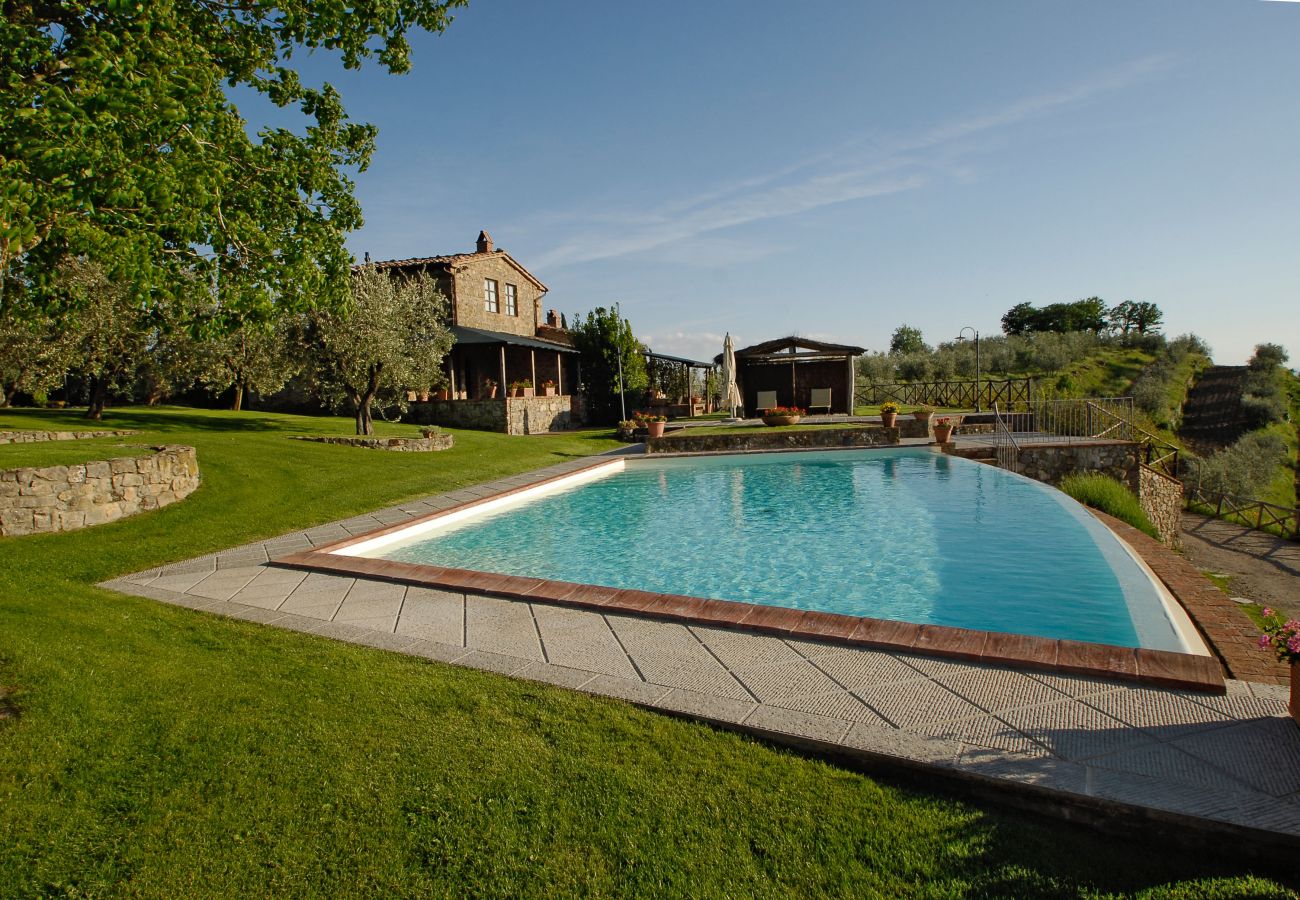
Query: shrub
(1110,496)
(1243,469)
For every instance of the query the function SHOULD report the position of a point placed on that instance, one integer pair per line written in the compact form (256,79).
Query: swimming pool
(908,535)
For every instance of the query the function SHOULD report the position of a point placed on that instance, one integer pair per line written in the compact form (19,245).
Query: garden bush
(1110,496)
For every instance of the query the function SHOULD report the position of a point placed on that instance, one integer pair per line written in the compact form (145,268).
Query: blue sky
(837,169)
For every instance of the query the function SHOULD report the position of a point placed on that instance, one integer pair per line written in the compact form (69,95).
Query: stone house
(501,340)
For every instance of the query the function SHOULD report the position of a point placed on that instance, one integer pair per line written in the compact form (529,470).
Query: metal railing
(1077,420)
(1257,514)
(951,394)
(1004,442)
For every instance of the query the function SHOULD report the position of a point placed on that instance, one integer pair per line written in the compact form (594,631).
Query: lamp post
(618,345)
(960,337)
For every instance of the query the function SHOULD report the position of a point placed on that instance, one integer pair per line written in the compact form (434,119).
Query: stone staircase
(1212,415)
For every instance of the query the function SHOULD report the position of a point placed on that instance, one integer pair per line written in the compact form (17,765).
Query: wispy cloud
(865,167)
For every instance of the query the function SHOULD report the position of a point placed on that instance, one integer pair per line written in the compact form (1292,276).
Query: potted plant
(943,427)
(923,413)
(491,387)
(521,388)
(782,415)
(1282,636)
(442,394)
(548,388)
(888,413)
(654,425)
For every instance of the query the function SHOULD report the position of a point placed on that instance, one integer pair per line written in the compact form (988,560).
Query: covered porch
(491,365)
(794,371)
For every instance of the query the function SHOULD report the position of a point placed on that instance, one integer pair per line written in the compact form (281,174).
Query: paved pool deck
(1129,758)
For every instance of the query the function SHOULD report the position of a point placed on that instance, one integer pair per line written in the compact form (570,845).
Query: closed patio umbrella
(730,393)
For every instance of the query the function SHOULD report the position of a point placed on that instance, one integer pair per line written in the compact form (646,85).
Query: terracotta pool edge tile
(957,643)
(1079,658)
(1180,670)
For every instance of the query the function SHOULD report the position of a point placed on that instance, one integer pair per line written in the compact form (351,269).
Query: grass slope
(164,752)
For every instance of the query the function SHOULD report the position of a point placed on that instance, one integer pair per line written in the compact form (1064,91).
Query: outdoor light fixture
(977,361)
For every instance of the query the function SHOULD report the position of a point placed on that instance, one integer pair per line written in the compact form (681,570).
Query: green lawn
(164,752)
(68,453)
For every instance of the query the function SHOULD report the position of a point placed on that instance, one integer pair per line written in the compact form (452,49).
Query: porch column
(851,386)
(504,389)
(532,357)
(559,375)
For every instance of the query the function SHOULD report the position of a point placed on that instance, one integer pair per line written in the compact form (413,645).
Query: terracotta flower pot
(548,392)
(781,420)
(492,392)
(887,419)
(921,416)
(655,429)
(443,394)
(943,433)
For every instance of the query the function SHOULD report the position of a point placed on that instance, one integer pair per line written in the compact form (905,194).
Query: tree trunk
(365,423)
(95,411)
(238,403)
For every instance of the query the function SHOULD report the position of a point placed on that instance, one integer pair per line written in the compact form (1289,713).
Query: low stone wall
(911,427)
(510,415)
(784,439)
(1052,462)
(33,437)
(64,498)
(1162,501)
(432,440)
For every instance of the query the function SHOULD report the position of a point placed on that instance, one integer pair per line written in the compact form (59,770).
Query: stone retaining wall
(1162,501)
(1052,462)
(510,415)
(33,437)
(64,498)
(784,439)
(432,440)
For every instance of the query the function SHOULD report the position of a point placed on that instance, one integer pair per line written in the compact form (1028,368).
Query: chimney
(484,242)
(552,318)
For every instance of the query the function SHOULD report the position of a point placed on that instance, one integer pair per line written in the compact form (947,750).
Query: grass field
(167,753)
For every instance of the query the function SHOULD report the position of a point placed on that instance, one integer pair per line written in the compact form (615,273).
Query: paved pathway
(1229,763)
(1262,567)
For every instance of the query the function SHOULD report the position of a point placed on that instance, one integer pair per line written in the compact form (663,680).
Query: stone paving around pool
(1228,765)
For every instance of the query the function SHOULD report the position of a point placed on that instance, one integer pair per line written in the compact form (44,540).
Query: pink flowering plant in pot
(1282,638)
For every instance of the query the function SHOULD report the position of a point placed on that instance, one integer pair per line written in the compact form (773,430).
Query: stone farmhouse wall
(510,415)
(1162,501)
(467,293)
(65,498)
(34,437)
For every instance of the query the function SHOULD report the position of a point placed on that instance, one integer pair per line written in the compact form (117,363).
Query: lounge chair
(766,400)
(820,399)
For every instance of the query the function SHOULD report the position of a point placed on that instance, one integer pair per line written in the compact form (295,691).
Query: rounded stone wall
(64,498)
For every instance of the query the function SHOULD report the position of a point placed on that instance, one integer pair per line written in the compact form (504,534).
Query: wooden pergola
(792,367)
(679,376)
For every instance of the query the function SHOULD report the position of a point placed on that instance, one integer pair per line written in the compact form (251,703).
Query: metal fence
(1073,421)
(952,394)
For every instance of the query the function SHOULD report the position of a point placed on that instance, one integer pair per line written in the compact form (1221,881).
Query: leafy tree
(393,336)
(121,146)
(1263,397)
(907,339)
(1138,317)
(110,331)
(254,356)
(1019,319)
(602,337)
(35,352)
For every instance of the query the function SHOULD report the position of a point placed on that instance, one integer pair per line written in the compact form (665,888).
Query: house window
(512,302)
(490,295)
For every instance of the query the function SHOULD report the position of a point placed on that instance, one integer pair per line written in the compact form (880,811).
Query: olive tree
(122,146)
(251,356)
(392,336)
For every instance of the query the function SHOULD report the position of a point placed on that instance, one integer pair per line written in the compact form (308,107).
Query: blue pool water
(899,534)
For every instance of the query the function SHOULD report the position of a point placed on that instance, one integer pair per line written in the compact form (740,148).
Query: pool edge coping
(1156,667)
